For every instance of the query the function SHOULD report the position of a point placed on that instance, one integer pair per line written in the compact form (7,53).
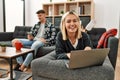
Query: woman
(71,36)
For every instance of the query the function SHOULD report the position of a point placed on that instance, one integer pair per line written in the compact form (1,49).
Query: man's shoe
(17,67)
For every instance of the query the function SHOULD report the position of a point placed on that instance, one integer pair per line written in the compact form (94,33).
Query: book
(87,9)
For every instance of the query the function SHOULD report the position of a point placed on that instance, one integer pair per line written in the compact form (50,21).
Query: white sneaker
(90,25)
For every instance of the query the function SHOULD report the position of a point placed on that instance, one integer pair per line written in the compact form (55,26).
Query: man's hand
(43,40)
(30,37)
(87,48)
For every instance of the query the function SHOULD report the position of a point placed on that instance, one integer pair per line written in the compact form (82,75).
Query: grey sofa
(48,68)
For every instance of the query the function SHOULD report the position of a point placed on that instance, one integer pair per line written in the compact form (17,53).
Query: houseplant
(3,47)
(62,12)
(50,0)
(70,0)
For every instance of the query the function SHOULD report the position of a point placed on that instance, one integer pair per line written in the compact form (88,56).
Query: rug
(16,74)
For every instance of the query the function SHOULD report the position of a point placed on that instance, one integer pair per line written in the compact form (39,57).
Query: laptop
(87,58)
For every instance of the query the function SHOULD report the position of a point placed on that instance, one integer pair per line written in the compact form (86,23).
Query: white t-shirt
(40,33)
(75,45)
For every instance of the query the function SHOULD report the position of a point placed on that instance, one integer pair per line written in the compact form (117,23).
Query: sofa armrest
(49,68)
(44,50)
(6,36)
(113,45)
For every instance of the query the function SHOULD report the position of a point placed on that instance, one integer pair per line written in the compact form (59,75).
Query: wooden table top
(11,52)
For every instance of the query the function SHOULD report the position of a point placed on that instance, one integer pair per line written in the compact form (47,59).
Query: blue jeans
(34,45)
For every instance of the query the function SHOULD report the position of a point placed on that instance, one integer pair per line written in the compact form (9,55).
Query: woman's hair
(63,28)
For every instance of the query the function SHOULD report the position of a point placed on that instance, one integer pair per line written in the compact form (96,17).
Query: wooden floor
(4,65)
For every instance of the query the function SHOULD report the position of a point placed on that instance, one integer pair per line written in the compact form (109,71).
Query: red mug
(18,46)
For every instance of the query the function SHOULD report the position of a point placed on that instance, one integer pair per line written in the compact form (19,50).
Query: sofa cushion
(95,35)
(44,50)
(6,36)
(21,31)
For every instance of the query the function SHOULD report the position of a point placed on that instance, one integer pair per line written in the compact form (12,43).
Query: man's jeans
(35,44)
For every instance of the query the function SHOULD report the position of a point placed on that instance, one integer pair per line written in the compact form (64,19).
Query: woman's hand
(68,55)
(87,48)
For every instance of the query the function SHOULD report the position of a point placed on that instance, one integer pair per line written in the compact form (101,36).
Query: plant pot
(3,49)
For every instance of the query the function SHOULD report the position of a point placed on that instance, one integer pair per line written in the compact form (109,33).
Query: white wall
(106,12)
(1,15)
(32,6)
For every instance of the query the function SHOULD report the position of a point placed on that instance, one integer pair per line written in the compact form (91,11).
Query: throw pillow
(104,38)
(90,25)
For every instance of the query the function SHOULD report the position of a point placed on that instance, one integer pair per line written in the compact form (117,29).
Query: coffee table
(11,53)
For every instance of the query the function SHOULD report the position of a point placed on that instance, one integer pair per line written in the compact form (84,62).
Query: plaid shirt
(102,43)
(49,34)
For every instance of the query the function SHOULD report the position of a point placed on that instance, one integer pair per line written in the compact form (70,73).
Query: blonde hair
(63,28)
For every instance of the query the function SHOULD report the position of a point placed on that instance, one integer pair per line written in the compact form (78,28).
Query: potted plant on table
(3,47)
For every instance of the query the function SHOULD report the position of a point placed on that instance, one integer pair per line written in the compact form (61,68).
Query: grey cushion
(95,35)
(21,31)
(48,68)
(44,50)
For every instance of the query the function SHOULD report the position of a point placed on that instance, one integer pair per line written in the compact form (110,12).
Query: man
(42,34)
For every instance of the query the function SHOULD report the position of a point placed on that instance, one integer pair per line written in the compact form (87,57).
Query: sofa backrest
(21,31)
(95,35)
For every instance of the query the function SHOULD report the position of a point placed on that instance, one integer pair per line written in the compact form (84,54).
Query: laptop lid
(86,58)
